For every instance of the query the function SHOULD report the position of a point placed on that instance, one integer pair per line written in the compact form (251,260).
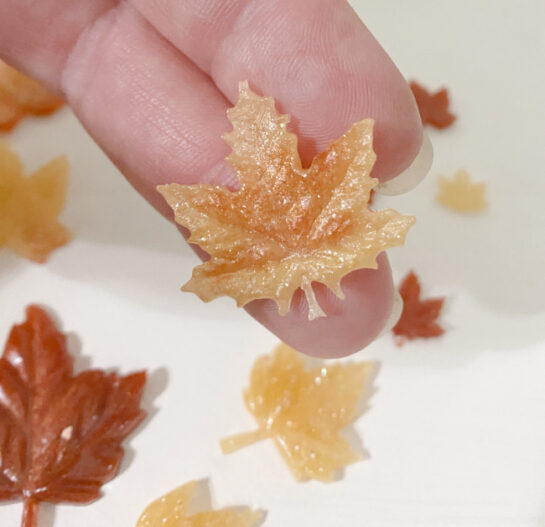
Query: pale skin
(151,81)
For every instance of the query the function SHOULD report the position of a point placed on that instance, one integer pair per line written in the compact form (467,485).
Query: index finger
(160,118)
(315,57)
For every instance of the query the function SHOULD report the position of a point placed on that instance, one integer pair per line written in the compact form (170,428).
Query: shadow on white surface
(155,385)
(202,497)
(364,405)
(10,266)
(120,245)
(75,347)
(46,515)
(494,260)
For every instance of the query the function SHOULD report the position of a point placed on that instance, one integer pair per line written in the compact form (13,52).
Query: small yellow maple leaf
(303,411)
(460,194)
(287,226)
(171,510)
(29,206)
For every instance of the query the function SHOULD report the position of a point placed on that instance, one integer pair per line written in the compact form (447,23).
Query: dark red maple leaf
(60,434)
(433,107)
(418,318)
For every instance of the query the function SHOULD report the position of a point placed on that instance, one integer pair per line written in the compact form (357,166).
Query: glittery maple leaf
(172,510)
(20,95)
(303,411)
(419,317)
(29,206)
(460,194)
(287,226)
(433,107)
(60,434)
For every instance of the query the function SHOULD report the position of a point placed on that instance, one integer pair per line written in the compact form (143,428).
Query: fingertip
(412,175)
(398,134)
(350,325)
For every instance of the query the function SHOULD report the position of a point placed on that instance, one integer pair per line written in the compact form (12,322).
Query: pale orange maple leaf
(173,510)
(460,194)
(20,95)
(303,411)
(287,226)
(30,206)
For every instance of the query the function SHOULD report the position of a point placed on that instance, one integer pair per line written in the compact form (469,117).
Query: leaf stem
(235,442)
(314,309)
(30,513)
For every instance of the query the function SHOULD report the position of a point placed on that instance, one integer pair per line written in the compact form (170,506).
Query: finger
(38,36)
(411,176)
(315,57)
(160,118)
(350,324)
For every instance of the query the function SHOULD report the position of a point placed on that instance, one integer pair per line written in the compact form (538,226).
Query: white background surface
(456,428)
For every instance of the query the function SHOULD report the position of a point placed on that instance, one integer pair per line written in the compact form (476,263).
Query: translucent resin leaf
(419,316)
(303,411)
(287,226)
(30,206)
(433,107)
(20,95)
(460,194)
(171,510)
(60,433)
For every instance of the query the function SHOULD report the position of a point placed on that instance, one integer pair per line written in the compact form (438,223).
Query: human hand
(151,80)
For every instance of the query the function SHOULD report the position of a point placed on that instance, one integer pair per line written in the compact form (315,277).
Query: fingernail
(397,308)
(412,176)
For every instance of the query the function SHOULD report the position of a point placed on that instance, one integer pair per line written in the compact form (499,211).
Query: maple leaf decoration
(60,434)
(433,107)
(29,206)
(20,95)
(171,510)
(419,317)
(287,226)
(460,194)
(303,411)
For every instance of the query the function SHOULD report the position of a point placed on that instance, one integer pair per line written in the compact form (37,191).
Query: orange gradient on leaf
(287,226)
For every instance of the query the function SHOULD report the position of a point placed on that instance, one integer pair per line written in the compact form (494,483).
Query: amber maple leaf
(433,107)
(29,206)
(20,95)
(287,226)
(172,510)
(419,317)
(60,434)
(303,411)
(460,194)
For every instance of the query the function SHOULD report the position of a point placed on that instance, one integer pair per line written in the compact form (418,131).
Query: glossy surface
(29,206)
(419,317)
(20,95)
(303,411)
(287,226)
(460,194)
(433,106)
(455,430)
(173,510)
(60,433)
